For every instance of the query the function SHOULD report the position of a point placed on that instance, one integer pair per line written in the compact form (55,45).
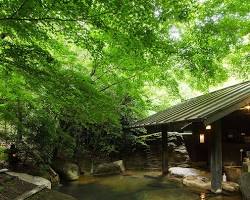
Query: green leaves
(74,64)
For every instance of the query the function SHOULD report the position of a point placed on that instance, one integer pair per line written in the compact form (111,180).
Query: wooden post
(216,158)
(195,142)
(164,151)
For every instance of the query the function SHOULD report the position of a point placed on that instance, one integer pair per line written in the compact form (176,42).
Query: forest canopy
(74,73)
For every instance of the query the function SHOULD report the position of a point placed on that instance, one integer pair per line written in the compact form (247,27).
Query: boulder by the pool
(107,169)
(183,172)
(67,170)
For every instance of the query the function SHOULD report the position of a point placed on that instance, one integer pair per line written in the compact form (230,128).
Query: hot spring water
(134,188)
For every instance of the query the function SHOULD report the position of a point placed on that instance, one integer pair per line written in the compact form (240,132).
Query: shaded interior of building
(235,140)
(197,140)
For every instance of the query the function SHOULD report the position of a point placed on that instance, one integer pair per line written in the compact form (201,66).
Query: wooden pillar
(164,151)
(195,142)
(216,158)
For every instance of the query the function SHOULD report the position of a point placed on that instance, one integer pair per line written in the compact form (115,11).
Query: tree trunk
(20,122)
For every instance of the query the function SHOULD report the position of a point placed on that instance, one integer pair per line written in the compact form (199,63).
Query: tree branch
(105,72)
(115,83)
(18,9)
(93,71)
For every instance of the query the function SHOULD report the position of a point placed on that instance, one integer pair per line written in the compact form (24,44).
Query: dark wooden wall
(233,126)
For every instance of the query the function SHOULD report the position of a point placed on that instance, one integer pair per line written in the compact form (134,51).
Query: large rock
(199,179)
(67,170)
(245,186)
(197,182)
(183,172)
(36,180)
(120,164)
(230,186)
(177,151)
(107,169)
(204,183)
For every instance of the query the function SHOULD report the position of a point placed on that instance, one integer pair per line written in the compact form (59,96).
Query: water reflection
(134,188)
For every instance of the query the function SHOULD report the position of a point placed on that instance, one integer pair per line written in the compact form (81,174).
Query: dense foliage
(74,73)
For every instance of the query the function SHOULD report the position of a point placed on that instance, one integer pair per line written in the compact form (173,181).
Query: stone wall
(149,158)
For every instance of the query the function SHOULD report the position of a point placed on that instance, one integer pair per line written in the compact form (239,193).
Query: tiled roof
(206,108)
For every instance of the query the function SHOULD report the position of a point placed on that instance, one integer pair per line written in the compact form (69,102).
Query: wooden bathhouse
(220,125)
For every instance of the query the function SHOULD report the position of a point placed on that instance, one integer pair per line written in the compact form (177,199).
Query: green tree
(67,67)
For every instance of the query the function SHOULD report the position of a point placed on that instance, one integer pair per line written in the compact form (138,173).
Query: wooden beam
(172,126)
(216,158)
(164,151)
